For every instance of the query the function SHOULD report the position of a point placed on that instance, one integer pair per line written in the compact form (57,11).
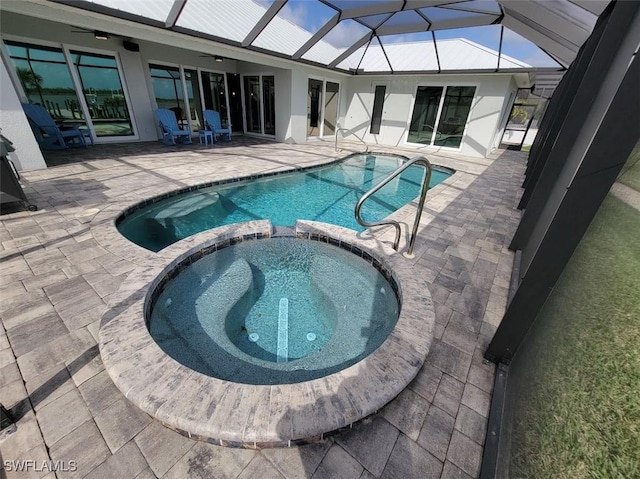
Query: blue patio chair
(170,129)
(212,122)
(51,135)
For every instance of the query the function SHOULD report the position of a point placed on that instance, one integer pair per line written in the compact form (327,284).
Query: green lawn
(577,387)
(630,174)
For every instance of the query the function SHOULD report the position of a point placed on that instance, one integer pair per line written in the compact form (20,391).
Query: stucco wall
(15,127)
(398,106)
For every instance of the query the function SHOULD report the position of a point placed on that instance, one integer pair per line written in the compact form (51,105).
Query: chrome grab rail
(338,130)
(423,194)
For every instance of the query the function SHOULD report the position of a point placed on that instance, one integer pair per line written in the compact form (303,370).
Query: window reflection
(314,107)
(103,92)
(268,87)
(193,99)
(167,89)
(46,80)
(252,103)
(425,112)
(331,108)
(455,112)
(453,115)
(214,93)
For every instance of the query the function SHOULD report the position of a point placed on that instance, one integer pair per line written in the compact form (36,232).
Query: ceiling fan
(103,35)
(217,58)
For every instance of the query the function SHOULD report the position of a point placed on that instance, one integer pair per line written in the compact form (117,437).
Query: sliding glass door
(167,89)
(322,107)
(269,97)
(252,104)
(331,96)
(214,93)
(194,102)
(314,107)
(259,104)
(188,92)
(446,107)
(425,113)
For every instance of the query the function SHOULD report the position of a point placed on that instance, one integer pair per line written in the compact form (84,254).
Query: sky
(312,14)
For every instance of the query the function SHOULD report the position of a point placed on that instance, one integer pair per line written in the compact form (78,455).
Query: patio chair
(170,129)
(212,122)
(49,134)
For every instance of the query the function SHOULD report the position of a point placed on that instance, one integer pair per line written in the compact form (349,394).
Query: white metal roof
(369,35)
(452,55)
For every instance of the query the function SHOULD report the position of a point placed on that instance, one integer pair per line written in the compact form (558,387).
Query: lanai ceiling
(381,36)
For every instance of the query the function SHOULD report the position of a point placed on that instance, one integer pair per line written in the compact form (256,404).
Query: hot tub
(212,337)
(273,311)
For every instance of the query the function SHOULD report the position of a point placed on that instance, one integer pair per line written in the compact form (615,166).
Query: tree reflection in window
(103,92)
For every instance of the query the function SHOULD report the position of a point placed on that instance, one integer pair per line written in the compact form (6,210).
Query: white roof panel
(232,20)
(454,54)
(153,9)
(558,27)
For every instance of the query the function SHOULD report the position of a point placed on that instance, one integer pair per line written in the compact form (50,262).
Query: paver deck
(59,270)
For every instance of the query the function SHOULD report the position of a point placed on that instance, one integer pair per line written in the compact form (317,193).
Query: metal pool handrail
(423,194)
(338,130)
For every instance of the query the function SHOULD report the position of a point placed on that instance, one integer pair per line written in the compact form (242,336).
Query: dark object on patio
(10,189)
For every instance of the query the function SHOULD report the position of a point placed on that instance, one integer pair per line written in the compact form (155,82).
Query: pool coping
(259,416)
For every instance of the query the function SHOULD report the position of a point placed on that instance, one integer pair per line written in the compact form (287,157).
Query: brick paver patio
(57,277)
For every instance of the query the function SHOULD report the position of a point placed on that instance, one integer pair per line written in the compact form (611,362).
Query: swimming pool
(327,194)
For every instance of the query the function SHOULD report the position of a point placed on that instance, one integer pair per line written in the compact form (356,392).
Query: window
(103,93)
(450,112)
(96,99)
(378,103)
(46,80)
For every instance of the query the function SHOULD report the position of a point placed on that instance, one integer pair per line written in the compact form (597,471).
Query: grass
(630,174)
(577,382)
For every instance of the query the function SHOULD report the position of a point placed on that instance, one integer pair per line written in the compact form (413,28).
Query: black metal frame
(600,92)
(589,150)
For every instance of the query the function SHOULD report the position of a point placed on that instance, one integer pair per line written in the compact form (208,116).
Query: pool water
(274,311)
(328,194)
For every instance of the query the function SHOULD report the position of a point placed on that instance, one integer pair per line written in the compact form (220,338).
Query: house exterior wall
(488,104)
(291,79)
(15,127)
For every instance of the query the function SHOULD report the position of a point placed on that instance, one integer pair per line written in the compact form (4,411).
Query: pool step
(280,231)
(283,331)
